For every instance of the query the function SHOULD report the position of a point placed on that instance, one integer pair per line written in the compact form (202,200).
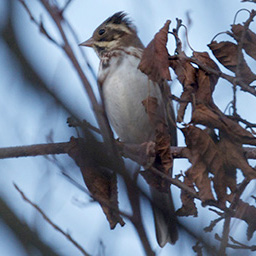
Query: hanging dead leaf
(246,212)
(205,59)
(225,177)
(101,183)
(249,40)
(212,117)
(164,161)
(143,154)
(154,61)
(188,206)
(186,74)
(227,54)
(183,69)
(232,152)
(162,137)
(206,81)
(185,98)
(204,158)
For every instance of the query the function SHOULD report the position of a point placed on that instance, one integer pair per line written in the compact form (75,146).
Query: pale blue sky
(25,117)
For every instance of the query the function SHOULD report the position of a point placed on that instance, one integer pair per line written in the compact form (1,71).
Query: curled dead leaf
(183,69)
(162,137)
(212,117)
(232,152)
(163,161)
(249,40)
(188,206)
(206,81)
(204,158)
(143,154)
(227,54)
(246,212)
(154,61)
(101,182)
(186,75)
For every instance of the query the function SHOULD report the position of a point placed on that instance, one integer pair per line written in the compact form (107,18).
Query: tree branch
(63,147)
(22,231)
(68,236)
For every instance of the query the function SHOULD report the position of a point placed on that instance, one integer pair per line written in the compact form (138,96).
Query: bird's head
(116,32)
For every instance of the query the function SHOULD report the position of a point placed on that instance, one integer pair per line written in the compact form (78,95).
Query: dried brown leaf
(232,152)
(218,159)
(204,158)
(101,183)
(188,206)
(164,161)
(185,98)
(227,54)
(186,74)
(246,212)
(143,154)
(249,41)
(198,249)
(212,117)
(154,61)
(162,137)
(206,81)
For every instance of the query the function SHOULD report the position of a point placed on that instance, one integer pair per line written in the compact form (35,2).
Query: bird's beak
(88,43)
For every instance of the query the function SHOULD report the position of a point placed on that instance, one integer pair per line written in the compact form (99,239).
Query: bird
(124,87)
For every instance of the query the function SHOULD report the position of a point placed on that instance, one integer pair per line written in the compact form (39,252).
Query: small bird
(124,87)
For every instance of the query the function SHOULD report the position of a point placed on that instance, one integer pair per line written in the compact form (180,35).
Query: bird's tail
(164,217)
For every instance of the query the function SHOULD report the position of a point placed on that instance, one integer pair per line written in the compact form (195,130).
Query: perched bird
(124,87)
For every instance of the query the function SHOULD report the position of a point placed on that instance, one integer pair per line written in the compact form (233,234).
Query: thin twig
(226,226)
(97,108)
(231,79)
(134,199)
(97,198)
(68,236)
(38,24)
(240,57)
(73,122)
(225,235)
(237,245)
(65,6)
(81,50)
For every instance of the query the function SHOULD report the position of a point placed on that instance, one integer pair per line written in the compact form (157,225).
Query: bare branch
(35,150)
(25,235)
(39,24)
(63,147)
(68,236)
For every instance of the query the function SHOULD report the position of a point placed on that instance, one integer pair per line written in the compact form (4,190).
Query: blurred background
(40,89)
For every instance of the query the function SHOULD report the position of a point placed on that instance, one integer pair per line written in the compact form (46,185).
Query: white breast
(124,89)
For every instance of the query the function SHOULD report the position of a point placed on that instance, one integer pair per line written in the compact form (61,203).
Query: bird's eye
(101,31)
